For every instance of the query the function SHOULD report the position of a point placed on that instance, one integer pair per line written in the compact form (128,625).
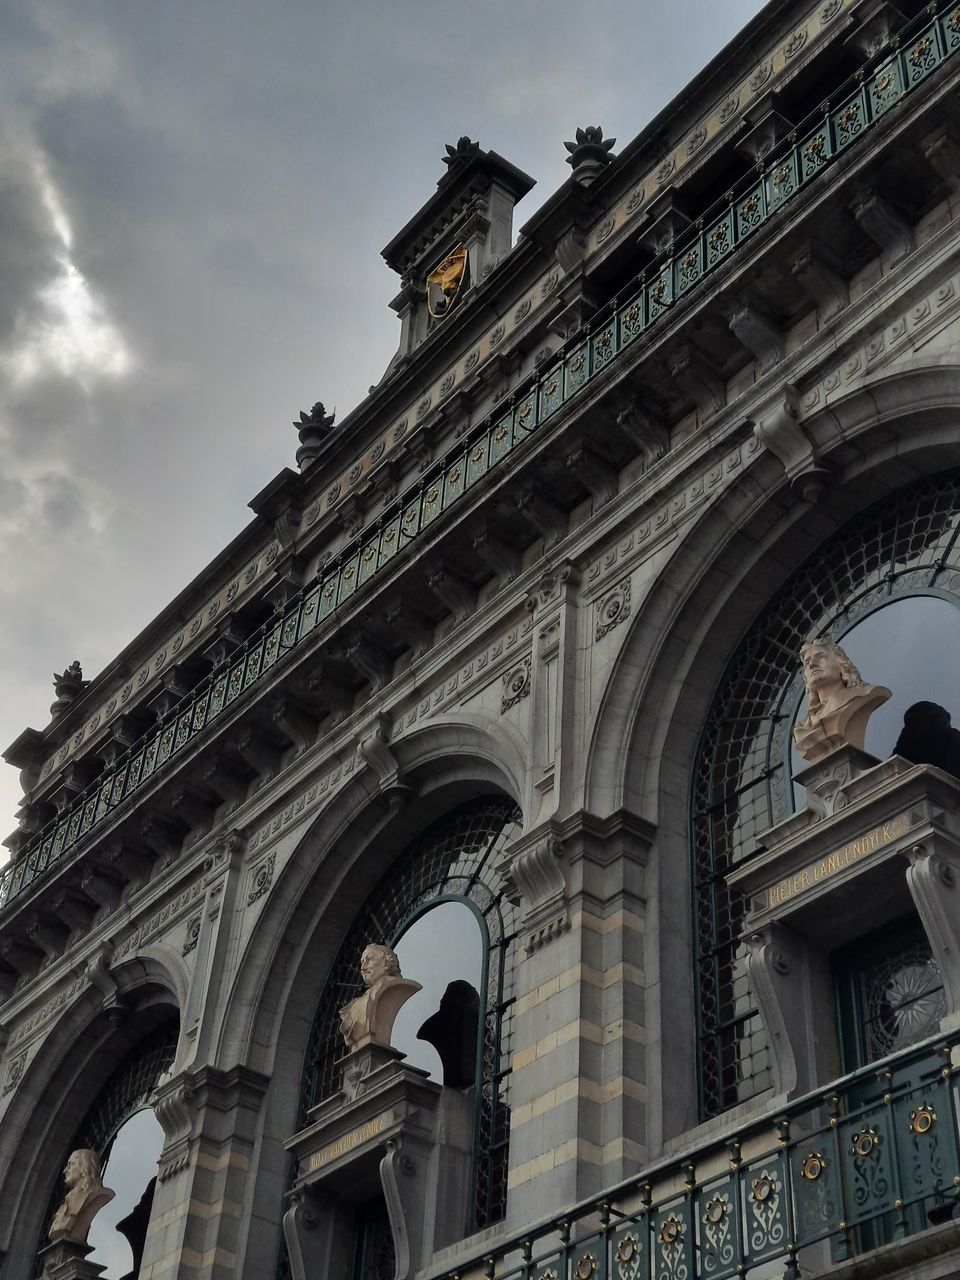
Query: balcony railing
(883,83)
(868,1161)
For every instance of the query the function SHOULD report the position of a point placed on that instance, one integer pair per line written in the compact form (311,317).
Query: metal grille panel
(906,546)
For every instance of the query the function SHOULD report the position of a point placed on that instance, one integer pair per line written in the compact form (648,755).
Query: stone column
(577,1091)
(210,1119)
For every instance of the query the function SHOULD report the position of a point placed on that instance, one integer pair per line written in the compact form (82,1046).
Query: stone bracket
(375,750)
(646,431)
(535,869)
(885,226)
(755,330)
(702,383)
(826,287)
(781,432)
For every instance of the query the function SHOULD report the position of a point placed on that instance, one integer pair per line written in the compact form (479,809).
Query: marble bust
(369,1019)
(86,1196)
(840,702)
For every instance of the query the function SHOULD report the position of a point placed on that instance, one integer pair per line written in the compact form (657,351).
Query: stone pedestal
(876,842)
(66,1260)
(398,1135)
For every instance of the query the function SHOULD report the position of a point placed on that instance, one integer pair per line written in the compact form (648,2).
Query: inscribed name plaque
(814,874)
(334,1150)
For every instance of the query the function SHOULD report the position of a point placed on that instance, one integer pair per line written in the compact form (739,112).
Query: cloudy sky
(193,199)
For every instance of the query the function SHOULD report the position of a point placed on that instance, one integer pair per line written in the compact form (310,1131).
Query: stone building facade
(520,639)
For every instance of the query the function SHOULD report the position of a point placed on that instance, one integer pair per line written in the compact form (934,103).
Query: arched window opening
(445,951)
(887,587)
(119,1230)
(449,873)
(122,1129)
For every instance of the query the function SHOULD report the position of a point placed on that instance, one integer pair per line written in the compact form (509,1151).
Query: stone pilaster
(578,1084)
(210,1119)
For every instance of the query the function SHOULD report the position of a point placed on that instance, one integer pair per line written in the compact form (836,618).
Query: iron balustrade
(882,83)
(871,1159)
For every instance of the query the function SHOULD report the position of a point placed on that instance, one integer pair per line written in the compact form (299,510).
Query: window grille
(455,858)
(906,545)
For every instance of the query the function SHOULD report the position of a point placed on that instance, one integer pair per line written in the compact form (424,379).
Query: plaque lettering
(334,1150)
(810,876)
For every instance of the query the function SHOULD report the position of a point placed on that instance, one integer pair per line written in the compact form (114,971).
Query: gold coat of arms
(445,281)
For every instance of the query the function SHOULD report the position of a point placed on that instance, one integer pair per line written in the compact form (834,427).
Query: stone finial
(86,1196)
(840,702)
(369,1019)
(314,428)
(590,154)
(68,687)
(459,154)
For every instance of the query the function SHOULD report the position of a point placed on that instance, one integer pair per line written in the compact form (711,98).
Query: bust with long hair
(369,1019)
(839,700)
(86,1196)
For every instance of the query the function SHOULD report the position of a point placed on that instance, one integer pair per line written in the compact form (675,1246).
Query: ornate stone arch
(84,1056)
(328,867)
(720,576)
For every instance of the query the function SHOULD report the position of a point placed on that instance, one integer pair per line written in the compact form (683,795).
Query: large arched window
(454,863)
(122,1129)
(888,587)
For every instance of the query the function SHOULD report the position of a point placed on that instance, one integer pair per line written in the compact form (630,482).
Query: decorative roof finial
(462,152)
(314,428)
(590,154)
(68,687)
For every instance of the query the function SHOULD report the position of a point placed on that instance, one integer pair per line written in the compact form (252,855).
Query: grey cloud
(230,173)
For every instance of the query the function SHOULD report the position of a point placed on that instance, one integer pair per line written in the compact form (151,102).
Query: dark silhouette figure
(134,1227)
(927,737)
(453,1031)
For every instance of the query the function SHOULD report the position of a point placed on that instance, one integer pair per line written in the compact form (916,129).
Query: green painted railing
(883,82)
(870,1160)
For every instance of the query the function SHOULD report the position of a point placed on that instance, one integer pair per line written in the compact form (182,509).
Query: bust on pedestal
(840,702)
(366,1023)
(65,1257)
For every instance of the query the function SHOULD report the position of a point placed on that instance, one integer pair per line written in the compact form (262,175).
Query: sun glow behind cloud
(70,331)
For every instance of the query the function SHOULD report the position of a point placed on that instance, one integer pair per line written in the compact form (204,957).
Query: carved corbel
(375,750)
(101,887)
(257,750)
(885,226)
(877,21)
(350,515)
(941,150)
(225,779)
(773,981)
(369,661)
(767,126)
(21,954)
(404,1194)
(99,976)
(497,554)
(645,430)
(174,1104)
(48,935)
(780,431)
(570,250)
(192,810)
(664,220)
(230,636)
(455,593)
(594,472)
(326,685)
(123,734)
(546,516)
(700,380)
(75,912)
(134,864)
(535,870)
(293,721)
(932,879)
(413,627)
(755,330)
(826,287)
(289,573)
